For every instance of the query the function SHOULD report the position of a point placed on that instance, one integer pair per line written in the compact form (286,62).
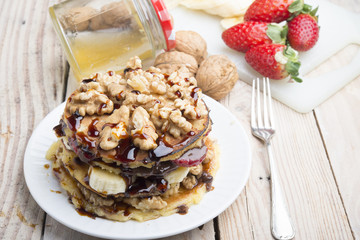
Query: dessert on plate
(135,146)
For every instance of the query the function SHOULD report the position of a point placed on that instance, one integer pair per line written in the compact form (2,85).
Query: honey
(99,36)
(104,50)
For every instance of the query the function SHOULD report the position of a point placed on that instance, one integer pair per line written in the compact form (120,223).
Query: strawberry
(244,36)
(303,31)
(275,61)
(272,10)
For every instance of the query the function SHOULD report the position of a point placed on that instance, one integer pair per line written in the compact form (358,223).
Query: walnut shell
(98,23)
(216,76)
(78,19)
(116,14)
(168,62)
(191,43)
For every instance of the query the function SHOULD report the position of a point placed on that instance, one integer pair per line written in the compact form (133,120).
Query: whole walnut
(78,19)
(168,62)
(116,14)
(216,76)
(191,43)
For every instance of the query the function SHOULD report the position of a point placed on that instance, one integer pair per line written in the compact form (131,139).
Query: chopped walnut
(180,121)
(158,87)
(134,63)
(120,115)
(150,203)
(138,83)
(196,170)
(144,135)
(110,137)
(93,198)
(90,102)
(173,189)
(85,86)
(189,182)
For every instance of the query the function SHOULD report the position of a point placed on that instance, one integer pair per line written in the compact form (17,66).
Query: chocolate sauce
(136,92)
(126,70)
(164,148)
(110,73)
(101,107)
(117,106)
(88,80)
(158,170)
(59,129)
(178,94)
(92,130)
(182,209)
(85,140)
(194,94)
(74,121)
(147,186)
(126,151)
(84,152)
(120,95)
(207,179)
(82,212)
(126,212)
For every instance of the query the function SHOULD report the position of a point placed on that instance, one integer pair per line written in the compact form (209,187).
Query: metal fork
(262,127)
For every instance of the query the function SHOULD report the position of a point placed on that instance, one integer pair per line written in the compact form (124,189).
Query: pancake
(135,146)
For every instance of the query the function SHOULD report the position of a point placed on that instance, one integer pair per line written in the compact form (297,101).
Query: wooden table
(317,153)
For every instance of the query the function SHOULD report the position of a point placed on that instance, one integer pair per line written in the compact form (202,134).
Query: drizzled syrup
(88,80)
(194,94)
(126,151)
(178,94)
(74,121)
(59,129)
(85,140)
(92,130)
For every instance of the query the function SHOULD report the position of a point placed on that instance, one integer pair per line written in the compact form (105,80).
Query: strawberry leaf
(277,33)
(296,6)
(314,11)
(293,64)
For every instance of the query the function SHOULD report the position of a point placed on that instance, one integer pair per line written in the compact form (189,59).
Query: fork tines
(257,120)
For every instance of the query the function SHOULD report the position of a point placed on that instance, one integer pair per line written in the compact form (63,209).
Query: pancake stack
(135,146)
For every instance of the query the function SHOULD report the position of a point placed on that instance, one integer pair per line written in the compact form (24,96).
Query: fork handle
(281,225)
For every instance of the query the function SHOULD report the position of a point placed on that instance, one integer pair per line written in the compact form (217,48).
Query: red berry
(244,36)
(192,157)
(303,32)
(270,10)
(275,61)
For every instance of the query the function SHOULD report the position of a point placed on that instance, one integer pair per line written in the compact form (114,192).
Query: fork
(262,127)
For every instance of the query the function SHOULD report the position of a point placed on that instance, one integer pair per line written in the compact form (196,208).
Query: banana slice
(202,4)
(106,182)
(177,176)
(229,22)
(230,8)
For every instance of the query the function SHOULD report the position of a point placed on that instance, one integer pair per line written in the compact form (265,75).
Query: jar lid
(166,23)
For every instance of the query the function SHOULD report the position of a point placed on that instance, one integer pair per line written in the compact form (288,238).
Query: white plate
(235,163)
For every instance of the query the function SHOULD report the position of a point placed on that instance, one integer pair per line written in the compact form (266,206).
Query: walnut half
(90,102)
(144,135)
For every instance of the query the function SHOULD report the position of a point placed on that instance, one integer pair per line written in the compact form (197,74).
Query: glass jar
(102,35)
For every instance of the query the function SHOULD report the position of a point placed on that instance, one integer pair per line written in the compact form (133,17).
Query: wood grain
(28,93)
(338,119)
(305,173)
